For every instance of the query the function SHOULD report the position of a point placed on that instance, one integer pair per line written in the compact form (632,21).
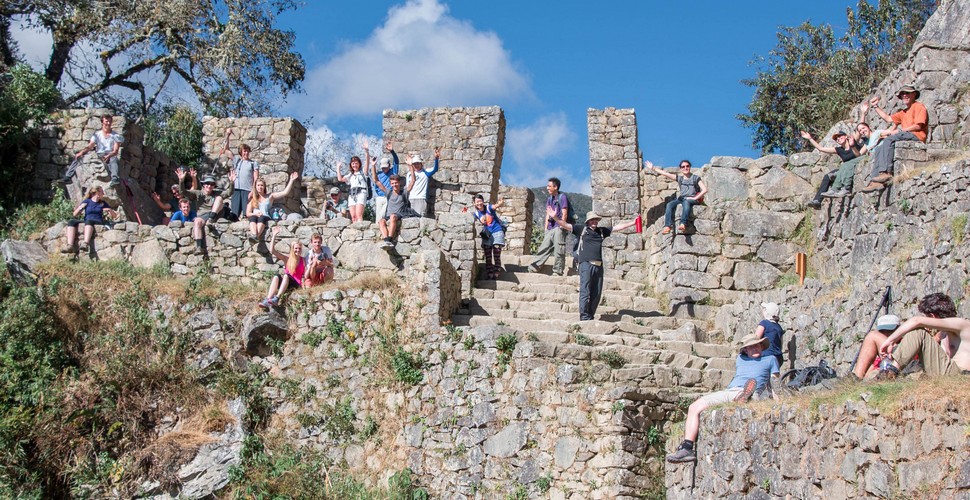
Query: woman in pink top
(292,275)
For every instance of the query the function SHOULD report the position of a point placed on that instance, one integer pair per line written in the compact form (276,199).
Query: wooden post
(801,267)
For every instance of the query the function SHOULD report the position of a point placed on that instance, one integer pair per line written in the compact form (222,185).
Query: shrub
(407,367)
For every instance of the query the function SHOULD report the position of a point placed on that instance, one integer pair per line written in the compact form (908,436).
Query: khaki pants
(553,244)
(934,359)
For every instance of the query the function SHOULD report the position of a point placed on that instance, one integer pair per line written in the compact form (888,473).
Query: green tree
(812,78)
(229,52)
(176,130)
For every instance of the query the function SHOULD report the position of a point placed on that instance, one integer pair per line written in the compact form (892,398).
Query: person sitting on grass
(691,192)
(260,203)
(770,329)
(942,341)
(292,275)
(319,262)
(867,364)
(752,372)
(93,208)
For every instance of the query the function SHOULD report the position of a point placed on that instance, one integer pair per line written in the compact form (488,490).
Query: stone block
(755,275)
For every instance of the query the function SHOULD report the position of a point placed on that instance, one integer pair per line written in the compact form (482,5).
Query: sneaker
(883,178)
(532,268)
(682,455)
(842,193)
(68,249)
(887,370)
(681,228)
(253,238)
(274,301)
(816,204)
(666,230)
(748,390)
(873,186)
(114,182)
(83,246)
(264,304)
(830,194)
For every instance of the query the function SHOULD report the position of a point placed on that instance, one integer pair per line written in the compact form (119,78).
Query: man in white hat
(388,168)
(208,204)
(751,373)
(589,253)
(913,122)
(418,188)
(336,207)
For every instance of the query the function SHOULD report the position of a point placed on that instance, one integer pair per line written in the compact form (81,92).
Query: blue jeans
(687,204)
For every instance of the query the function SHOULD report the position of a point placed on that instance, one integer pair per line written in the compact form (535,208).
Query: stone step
(624,324)
(526,278)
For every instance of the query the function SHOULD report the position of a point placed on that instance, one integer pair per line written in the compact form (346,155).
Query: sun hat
(592,215)
(416,158)
(907,89)
(888,322)
(772,310)
(335,190)
(752,339)
(385,163)
(208,180)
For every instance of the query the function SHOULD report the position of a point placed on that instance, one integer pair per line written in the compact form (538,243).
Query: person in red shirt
(913,125)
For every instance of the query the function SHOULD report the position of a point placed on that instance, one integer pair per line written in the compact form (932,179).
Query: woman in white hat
(769,329)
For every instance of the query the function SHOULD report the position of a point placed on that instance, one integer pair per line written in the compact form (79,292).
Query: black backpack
(808,376)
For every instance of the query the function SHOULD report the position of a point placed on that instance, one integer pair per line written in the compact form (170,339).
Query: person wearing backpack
(554,239)
(589,254)
(493,235)
(691,191)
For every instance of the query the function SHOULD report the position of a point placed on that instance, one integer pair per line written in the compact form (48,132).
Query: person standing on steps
(554,239)
(850,157)
(107,145)
(751,373)
(493,235)
(691,191)
(589,253)
(913,122)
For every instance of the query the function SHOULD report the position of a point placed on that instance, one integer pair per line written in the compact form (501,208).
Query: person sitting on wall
(292,275)
(93,208)
(170,206)
(319,263)
(107,145)
(389,167)
(835,178)
(418,180)
(335,207)
(247,172)
(867,364)
(208,205)
(913,122)
(398,207)
(260,203)
(942,341)
(185,213)
(589,253)
(751,373)
(691,192)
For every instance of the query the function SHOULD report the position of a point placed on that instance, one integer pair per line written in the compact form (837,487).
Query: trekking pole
(885,302)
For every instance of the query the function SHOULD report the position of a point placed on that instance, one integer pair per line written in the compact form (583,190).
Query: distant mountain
(582,203)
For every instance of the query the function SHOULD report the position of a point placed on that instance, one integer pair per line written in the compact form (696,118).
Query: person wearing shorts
(93,208)
(358,187)
(319,262)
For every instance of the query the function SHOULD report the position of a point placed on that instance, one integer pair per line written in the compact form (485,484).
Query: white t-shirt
(105,144)
(420,189)
(357,181)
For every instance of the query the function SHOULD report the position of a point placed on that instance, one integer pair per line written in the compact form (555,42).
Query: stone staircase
(658,352)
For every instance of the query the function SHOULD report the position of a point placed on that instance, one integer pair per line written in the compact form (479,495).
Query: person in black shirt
(589,253)
(846,151)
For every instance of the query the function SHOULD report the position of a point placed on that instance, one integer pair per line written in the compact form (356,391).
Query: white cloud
(536,152)
(35,43)
(420,56)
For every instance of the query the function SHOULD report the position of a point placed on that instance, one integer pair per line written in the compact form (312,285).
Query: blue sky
(679,64)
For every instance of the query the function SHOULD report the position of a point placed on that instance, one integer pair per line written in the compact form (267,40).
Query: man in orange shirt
(912,122)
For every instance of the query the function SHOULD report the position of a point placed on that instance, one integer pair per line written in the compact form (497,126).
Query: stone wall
(842,450)
(517,211)
(278,145)
(143,169)
(471,142)
(233,258)
(614,156)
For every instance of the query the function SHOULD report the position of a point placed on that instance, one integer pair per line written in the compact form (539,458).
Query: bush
(407,367)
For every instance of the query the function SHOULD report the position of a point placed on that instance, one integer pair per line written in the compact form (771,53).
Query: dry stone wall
(517,211)
(845,450)
(471,142)
(614,156)
(143,169)
(278,145)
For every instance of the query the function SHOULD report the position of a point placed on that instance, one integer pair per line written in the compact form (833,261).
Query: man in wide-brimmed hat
(751,373)
(208,205)
(913,123)
(589,254)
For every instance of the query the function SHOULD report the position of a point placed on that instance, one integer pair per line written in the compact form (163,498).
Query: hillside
(582,203)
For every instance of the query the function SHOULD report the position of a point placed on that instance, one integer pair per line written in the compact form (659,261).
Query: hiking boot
(666,230)
(253,238)
(69,249)
(682,455)
(873,186)
(746,393)
(83,246)
(816,204)
(883,178)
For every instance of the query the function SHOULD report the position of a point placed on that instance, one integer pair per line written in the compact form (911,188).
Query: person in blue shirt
(769,329)
(389,167)
(493,235)
(185,212)
(93,208)
(751,372)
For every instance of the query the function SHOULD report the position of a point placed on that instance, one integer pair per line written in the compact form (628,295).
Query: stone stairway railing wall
(846,450)
(517,210)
